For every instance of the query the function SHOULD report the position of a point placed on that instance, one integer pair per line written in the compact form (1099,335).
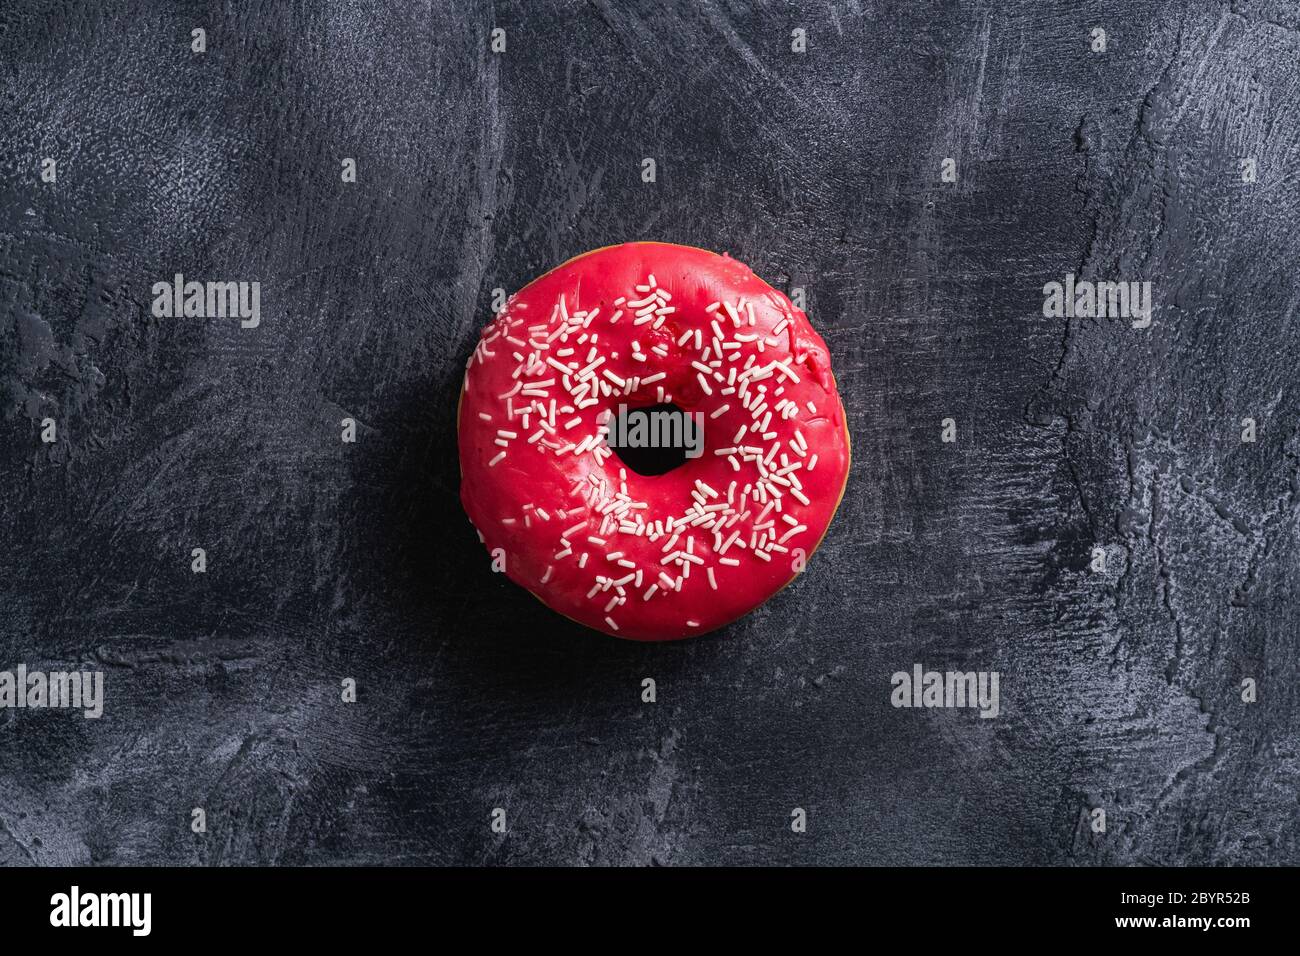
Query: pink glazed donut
(651,557)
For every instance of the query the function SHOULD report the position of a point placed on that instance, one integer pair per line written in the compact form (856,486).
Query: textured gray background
(476,171)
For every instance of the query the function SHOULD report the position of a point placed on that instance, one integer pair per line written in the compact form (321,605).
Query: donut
(651,328)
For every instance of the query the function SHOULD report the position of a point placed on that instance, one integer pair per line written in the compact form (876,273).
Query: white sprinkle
(792,532)
(499,456)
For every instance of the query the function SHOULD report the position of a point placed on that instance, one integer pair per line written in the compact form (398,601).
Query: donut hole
(655,439)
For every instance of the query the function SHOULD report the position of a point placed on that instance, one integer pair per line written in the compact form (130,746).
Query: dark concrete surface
(1120,690)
